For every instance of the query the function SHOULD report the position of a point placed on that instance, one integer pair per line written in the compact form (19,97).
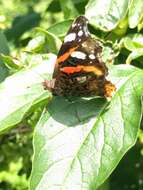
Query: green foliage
(21,91)
(108,134)
(108,14)
(133,43)
(77,143)
(135,13)
(16,151)
(5,50)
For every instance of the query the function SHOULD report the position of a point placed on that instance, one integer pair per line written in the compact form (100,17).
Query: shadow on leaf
(75,111)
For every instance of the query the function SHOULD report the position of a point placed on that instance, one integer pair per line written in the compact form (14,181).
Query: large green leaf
(135,13)
(77,144)
(106,14)
(21,91)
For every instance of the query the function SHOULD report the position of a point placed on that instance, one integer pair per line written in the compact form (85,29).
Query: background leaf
(44,42)
(10,62)
(81,155)
(135,13)
(21,91)
(68,8)
(4,49)
(134,55)
(21,24)
(60,29)
(106,14)
(133,43)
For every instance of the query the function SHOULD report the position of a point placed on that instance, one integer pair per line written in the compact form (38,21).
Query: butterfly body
(79,70)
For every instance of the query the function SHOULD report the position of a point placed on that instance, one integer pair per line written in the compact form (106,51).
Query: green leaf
(3,44)
(122,27)
(135,13)
(134,55)
(140,25)
(22,24)
(60,29)
(53,42)
(106,14)
(4,49)
(42,6)
(21,91)
(133,42)
(44,42)
(3,71)
(36,44)
(68,8)
(77,144)
(10,62)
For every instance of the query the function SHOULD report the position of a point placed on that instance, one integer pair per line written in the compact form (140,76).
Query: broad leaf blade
(82,155)
(135,13)
(21,91)
(106,14)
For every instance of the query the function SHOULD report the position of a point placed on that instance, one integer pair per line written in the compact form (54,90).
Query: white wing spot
(70,37)
(91,56)
(80,33)
(78,55)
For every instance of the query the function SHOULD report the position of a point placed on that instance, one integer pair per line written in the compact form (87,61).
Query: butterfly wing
(79,70)
(76,35)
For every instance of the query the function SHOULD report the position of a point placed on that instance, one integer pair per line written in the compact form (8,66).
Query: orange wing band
(65,55)
(71,70)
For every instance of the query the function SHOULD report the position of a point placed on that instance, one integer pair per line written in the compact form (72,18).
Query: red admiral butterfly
(79,70)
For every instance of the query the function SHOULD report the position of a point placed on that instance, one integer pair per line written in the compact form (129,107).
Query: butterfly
(79,70)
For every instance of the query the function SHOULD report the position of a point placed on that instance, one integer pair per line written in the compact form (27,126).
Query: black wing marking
(76,35)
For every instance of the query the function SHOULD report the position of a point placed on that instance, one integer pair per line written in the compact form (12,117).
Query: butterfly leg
(48,84)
